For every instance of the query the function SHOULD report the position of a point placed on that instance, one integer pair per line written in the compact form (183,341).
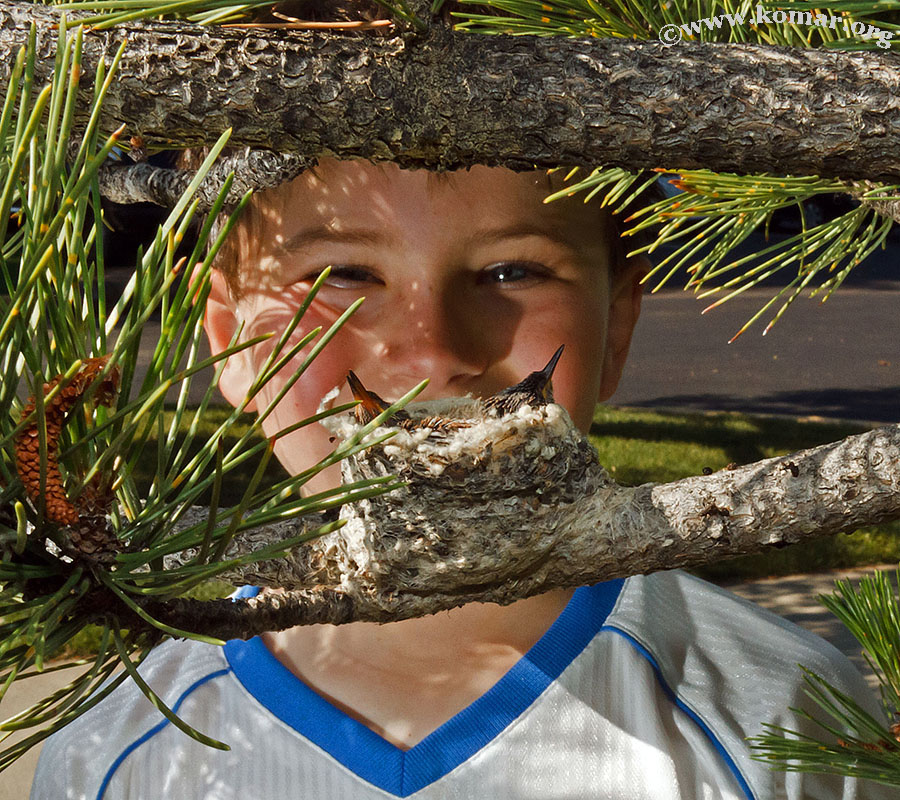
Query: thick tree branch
(523,507)
(449,100)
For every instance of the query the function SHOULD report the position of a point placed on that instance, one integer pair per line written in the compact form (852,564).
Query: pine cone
(58,509)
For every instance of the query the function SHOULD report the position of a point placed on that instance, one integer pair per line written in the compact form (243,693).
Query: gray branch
(251,169)
(515,508)
(449,100)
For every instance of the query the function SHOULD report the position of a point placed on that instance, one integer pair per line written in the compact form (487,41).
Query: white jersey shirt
(643,689)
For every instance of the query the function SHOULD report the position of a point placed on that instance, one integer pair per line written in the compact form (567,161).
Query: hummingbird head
(535,390)
(370,404)
(540,382)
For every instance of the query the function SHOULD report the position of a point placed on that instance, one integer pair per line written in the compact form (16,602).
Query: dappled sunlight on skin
(420,248)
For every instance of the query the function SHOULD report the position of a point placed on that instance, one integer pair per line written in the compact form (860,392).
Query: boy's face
(470,280)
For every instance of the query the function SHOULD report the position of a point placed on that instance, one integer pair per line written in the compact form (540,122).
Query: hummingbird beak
(544,384)
(370,404)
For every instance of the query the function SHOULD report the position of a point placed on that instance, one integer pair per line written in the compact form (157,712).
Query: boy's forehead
(338,193)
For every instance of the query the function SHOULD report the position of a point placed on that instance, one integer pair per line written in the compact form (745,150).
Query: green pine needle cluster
(51,321)
(633,19)
(715,212)
(854,742)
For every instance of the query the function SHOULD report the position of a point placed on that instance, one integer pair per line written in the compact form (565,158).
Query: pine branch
(524,101)
(78,542)
(873,196)
(851,741)
(464,536)
(245,171)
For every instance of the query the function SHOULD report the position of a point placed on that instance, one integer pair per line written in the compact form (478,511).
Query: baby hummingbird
(370,404)
(535,390)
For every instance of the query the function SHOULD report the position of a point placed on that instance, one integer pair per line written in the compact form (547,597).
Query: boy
(640,689)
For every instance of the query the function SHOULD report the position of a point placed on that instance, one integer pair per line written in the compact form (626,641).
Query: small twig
(253,169)
(884,205)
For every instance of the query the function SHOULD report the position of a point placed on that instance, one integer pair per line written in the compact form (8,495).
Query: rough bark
(505,510)
(448,100)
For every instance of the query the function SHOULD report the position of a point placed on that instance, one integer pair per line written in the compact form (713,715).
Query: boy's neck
(405,679)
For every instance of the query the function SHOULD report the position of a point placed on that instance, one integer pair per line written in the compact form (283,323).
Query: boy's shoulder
(79,760)
(686,621)
(731,664)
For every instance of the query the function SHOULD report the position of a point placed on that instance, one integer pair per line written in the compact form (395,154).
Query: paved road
(837,359)
(15,782)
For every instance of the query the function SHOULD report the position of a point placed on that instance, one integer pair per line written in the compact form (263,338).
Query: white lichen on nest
(481,490)
(464,432)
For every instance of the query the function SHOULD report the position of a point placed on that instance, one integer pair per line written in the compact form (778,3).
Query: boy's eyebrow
(323,233)
(365,236)
(522,229)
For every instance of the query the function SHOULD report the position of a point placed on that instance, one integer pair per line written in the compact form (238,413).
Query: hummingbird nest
(484,495)
(490,488)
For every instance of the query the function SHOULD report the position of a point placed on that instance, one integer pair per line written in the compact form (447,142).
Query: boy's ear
(220,323)
(624,309)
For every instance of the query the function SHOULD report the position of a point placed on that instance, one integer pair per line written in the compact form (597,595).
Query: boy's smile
(470,280)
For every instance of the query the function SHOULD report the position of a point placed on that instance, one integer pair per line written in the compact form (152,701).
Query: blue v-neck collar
(403,772)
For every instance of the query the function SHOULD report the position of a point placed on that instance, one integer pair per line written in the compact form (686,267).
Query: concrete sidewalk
(792,597)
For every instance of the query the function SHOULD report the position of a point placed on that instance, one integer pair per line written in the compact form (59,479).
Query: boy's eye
(520,273)
(347,276)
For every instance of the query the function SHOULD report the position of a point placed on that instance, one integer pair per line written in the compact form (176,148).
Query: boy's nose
(432,335)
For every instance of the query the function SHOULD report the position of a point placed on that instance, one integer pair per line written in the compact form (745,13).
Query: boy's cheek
(272,315)
(327,371)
